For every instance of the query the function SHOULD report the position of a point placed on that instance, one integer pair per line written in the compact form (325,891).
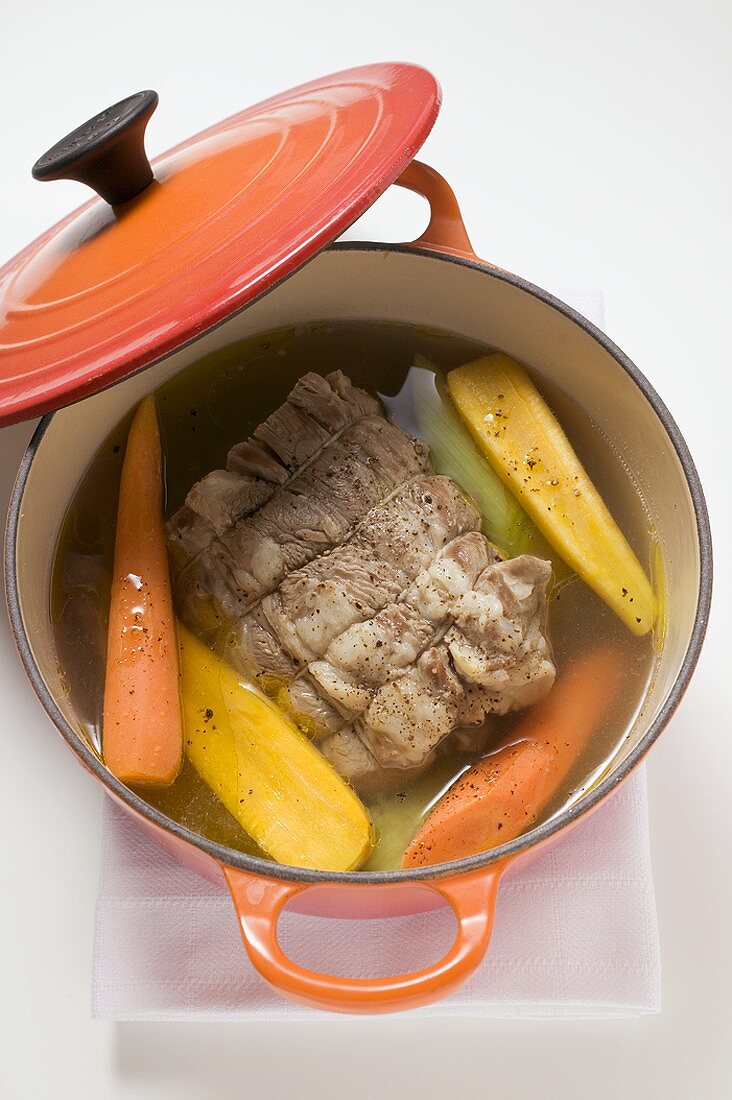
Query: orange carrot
(142,735)
(502,796)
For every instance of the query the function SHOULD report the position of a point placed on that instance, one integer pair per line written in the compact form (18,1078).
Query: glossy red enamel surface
(231,211)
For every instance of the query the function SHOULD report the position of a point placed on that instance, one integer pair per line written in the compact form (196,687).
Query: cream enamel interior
(387,284)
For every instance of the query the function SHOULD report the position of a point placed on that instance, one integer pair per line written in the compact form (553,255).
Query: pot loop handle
(446,231)
(259,902)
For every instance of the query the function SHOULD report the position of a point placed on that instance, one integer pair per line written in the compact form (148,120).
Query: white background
(589,144)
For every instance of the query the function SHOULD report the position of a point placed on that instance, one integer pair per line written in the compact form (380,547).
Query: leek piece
(276,784)
(528,449)
(398,814)
(423,406)
(658,580)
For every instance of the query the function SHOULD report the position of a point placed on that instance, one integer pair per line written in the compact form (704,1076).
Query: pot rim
(504,852)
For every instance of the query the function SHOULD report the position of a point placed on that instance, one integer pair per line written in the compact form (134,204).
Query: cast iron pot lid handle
(107,153)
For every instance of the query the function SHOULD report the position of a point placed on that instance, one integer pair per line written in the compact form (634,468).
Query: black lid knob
(107,152)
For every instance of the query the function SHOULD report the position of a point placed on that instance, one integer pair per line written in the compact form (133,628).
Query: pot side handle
(259,902)
(446,230)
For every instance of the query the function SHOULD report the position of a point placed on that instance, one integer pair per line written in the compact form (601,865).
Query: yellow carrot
(142,734)
(526,446)
(278,786)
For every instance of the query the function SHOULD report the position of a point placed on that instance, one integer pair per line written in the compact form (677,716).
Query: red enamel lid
(229,213)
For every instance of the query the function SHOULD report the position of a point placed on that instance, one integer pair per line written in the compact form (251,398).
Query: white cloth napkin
(575,931)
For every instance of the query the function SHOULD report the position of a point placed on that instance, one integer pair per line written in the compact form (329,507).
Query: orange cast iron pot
(436,280)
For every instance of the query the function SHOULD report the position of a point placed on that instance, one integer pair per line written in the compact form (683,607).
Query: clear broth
(218,402)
